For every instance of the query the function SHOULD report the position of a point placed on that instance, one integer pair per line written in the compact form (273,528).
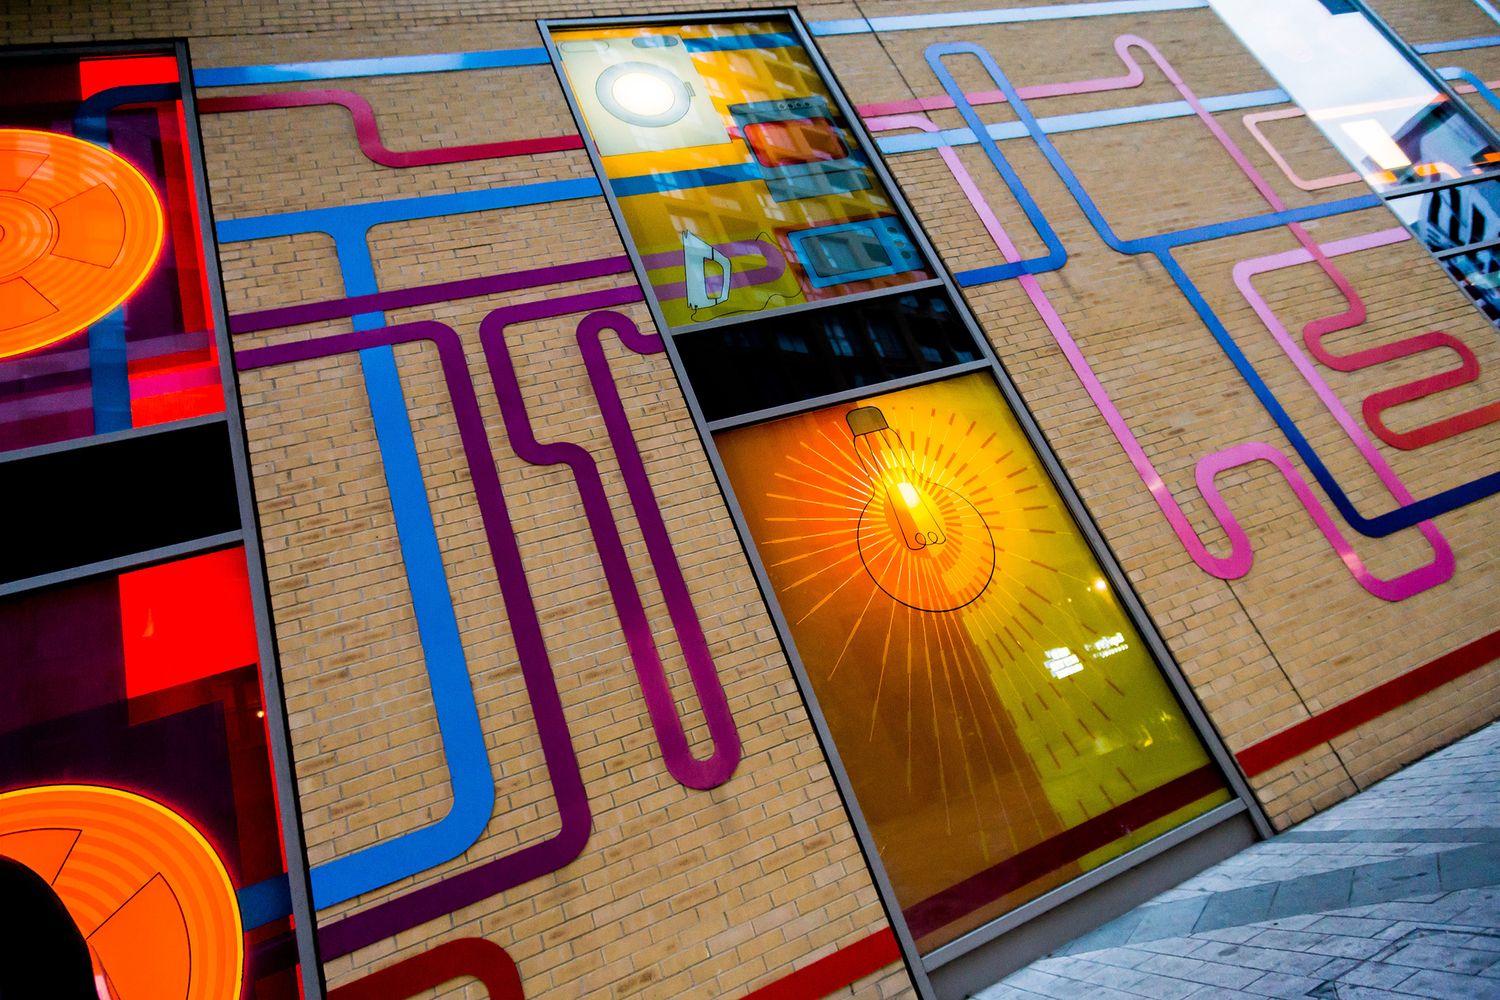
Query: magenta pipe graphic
(367,131)
(660,703)
(1241,555)
(1441,567)
(429,902)
(468,886)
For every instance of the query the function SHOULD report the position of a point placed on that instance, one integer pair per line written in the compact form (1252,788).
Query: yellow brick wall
(692,893)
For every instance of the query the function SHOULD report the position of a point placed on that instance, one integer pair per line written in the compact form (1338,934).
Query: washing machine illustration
(641,94)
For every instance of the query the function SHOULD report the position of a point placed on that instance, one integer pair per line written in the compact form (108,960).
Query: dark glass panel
(753,366)
(86,505)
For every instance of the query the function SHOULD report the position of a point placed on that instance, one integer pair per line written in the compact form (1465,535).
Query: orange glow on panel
(146,889)
(80,229)
(185,620)
(987,691)
(796,141)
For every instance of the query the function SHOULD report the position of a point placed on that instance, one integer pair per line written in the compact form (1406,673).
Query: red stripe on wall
(1054,852)
(1307,734)
(479,958)
(849,964)
(868,955)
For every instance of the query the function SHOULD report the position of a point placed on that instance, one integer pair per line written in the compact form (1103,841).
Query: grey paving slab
(1394,835)
(1342,992)
(1470,867)
(1448,986)
(1393,894)
(1375,974)
(1396,880)
(1316,893)
(1172,920)
(1238,907)
(1442,956)
(1281,985)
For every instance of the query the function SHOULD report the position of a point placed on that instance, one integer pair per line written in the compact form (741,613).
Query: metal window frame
(279,734)
(1461,108)
(1243,800)
(304,917)
(741,319)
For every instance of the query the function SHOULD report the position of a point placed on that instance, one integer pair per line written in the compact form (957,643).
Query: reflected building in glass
(1425,153)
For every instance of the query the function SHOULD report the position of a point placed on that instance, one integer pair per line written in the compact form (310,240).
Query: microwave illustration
(853,251)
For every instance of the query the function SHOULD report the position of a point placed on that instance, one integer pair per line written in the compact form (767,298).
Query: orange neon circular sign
(146,889)
(80,229)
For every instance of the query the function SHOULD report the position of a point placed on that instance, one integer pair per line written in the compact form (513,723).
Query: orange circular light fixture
(148,892)
(80,229)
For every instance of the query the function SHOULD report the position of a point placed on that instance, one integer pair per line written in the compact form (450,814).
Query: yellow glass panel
(1003,724)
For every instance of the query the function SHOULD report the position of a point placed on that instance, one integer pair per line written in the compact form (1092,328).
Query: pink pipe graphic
(1255,118)
(1241,556)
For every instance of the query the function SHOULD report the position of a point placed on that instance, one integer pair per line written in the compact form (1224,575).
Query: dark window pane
(86,505)
(754,366)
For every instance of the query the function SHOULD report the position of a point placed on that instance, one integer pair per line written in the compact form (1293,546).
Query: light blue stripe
(1081,121)
(1482,42)
(335,69)
(968,18)
(464,750)
(1488,8)
(727,43)
(851,26)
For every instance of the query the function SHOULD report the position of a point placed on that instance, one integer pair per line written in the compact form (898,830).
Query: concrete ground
(1392,894)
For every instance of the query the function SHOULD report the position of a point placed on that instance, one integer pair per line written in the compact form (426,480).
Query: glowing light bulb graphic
(922,543)
(887,461)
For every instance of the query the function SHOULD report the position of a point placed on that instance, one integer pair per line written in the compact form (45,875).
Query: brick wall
(714,893)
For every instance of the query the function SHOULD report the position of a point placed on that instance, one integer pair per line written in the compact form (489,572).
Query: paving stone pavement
(1392,894)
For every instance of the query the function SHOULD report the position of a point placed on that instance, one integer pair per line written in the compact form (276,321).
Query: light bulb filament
(919,523)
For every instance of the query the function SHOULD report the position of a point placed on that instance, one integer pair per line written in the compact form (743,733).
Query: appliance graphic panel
(725,134)
(796,158)
(641,93)
(853,251)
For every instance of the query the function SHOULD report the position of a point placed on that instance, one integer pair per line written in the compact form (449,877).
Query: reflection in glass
(146,353)
(1004,727)
(745,367)
(1379,111)
(740,181)
(137,695)
(1452,217)
(1478,273)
